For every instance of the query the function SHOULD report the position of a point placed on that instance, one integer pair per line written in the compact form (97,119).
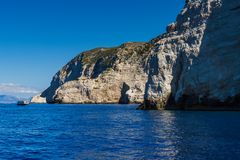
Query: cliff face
(213,78)
(103,75)
(196,63)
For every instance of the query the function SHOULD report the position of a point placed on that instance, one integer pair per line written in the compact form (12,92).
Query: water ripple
(116,132)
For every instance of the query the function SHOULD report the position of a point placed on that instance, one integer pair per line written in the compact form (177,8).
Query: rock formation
(38,99)
(102,75)
(195,64)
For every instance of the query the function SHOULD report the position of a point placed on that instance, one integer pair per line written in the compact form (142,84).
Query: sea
(116,132)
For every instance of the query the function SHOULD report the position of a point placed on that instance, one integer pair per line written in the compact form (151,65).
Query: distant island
(6,99)
(194,65)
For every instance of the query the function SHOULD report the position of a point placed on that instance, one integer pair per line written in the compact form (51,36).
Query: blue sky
(37,37)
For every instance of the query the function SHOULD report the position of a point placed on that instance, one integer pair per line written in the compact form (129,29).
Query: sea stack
(194,65)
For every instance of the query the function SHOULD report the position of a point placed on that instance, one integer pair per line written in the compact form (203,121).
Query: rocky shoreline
(193,66)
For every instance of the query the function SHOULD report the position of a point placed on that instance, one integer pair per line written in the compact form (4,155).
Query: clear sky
(37,37)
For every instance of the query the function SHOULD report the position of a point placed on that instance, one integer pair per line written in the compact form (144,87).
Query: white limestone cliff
(197,61)
(103,75)
(195,64)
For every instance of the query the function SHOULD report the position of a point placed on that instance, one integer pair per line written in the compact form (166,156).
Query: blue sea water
(116,132)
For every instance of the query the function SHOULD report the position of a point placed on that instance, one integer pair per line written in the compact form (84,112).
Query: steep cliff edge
(213,78)
(102,75)
(196,63)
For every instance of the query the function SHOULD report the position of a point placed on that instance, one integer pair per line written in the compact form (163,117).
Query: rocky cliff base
(195,64)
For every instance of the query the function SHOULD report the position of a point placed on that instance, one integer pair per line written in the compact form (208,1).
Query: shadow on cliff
(124,97)
(197,93)
(75,71)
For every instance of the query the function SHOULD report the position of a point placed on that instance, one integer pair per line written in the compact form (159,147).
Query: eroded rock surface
(38,99)
(195,63)
(103,75)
